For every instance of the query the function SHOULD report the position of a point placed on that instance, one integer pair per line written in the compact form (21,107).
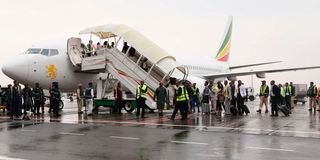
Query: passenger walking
(27,99)
(293,94)
(16,97)
(264,93)
(195,98)
(89,95)
(227,99)
(125,47)
(118,98)
(80,96)
(8,99)
(89,48)
(182,98)
(240,93)
(275,97)
(213,97)
(282,93)
(37,95)
(43,102)
(141,97)
(161,98)
(205,99)
(312,93)
(55,96)
(220,96)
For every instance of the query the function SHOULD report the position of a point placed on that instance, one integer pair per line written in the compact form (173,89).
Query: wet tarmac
(109,136)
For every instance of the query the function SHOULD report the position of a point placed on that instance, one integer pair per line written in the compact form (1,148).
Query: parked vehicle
(250,94)
(301,93)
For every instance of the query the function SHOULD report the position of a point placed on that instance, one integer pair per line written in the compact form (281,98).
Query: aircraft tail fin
(224,49)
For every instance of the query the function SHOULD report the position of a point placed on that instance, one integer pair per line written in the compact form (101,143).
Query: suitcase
(284,110)
(205,108)
(246,109)
(234,110)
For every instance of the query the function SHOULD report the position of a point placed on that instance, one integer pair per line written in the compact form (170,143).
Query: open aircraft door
(74,51)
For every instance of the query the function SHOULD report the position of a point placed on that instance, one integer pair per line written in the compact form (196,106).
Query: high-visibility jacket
(264,90)
(184,96)
(283,93)
(289,89)
(312,91)
(195,91)
(142,91)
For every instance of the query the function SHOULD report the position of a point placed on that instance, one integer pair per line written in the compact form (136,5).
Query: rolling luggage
(233,110)
(246,109)
(284,110)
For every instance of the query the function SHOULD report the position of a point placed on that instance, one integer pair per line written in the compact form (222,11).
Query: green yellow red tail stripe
(224,50)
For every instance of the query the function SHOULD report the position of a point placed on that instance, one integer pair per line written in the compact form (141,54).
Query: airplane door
(74,51)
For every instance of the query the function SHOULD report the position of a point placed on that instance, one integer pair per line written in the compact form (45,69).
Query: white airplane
(45,63)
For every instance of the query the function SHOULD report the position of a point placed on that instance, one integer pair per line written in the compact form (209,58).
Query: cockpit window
(45,52)
(33,51)
(53,52)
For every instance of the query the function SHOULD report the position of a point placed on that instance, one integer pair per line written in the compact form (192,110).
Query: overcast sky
(286,30)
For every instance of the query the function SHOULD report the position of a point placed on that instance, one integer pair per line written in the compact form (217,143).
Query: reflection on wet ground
(301,123)
(110,136)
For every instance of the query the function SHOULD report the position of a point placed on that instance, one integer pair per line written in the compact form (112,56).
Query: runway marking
(128,138)
(271,149)
(28,130)
(10,158)
(72,134)
(184,142)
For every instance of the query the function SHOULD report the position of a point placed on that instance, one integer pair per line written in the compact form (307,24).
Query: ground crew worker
(287,92)
(160,97)
(312,92)
(264,93)
(227,99)
(141,97)
(240,94)
(118,97)
(182,98)
(89,95)
(80,96)
(293,94)
(195,98)
(37,95)
(55,96)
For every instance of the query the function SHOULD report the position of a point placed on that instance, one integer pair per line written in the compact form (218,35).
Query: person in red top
(118,98)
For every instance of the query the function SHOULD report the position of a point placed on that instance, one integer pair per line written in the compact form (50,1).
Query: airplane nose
(17,68)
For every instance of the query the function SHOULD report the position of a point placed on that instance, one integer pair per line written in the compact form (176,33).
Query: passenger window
(54,52)
(33,51)
(45,52)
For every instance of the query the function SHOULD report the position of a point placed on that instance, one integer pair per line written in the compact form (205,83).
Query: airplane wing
(255,64)
(259,73)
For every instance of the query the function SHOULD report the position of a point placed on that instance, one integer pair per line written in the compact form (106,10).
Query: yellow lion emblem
(51,71)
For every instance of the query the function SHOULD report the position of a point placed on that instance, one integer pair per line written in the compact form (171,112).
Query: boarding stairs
(122,67)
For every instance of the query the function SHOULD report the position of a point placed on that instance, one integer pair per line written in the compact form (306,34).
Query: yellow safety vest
(289,90)
(142,93)
(184,95)
(227,91)
(263,89)
(195,91)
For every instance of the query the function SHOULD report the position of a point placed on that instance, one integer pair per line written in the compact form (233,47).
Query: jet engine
(261,75)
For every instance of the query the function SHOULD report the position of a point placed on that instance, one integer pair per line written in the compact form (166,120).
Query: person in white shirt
(240,94)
